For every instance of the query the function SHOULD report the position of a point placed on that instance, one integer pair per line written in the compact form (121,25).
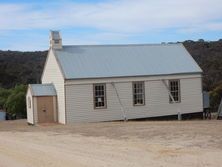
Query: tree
(215,97)
(16,102)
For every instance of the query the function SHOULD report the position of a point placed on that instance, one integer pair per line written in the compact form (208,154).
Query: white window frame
(97,95)
(136,94)
(174,88)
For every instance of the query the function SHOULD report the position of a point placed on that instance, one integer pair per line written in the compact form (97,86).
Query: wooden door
(45,109)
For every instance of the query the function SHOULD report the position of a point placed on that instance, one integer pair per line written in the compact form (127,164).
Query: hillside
(209,56)
(26,67)
(20,67)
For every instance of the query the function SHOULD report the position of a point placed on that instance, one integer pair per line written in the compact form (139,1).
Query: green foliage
(4,94)
(14,101)
(215,97)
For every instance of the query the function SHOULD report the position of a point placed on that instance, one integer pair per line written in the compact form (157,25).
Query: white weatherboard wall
(30,113)
(52,74)
(35,110)
(80,107)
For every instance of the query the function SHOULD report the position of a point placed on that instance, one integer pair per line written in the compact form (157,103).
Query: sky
(25,24)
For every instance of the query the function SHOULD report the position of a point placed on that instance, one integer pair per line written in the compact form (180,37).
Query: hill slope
(20,67)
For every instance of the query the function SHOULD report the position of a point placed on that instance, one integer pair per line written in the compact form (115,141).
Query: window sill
(99,108)
(135,105)
(175,102)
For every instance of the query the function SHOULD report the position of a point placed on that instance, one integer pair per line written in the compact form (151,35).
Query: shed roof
(43,89)
(99,61)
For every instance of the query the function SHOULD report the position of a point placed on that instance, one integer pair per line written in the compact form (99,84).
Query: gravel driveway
(114,144)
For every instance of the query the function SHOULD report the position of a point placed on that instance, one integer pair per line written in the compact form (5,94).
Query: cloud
(109,21)
(95,38)
(122,16)
(211,26)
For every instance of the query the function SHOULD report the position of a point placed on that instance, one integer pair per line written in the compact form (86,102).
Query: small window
(99,96)
(29,102)
(56,41)
(138,93)
(174,86)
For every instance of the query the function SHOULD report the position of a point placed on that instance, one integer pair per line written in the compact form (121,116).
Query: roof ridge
(42,84)
(120,45)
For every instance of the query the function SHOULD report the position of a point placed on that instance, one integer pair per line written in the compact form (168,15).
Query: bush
(215,97)
(13,101)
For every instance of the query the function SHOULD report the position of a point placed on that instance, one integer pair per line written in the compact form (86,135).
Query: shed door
(45,109)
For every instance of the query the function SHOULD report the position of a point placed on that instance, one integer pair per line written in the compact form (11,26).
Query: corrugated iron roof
(43,89)
(97,61)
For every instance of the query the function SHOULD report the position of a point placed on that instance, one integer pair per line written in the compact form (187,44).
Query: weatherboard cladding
(80,106)
(98,61)
(43,89)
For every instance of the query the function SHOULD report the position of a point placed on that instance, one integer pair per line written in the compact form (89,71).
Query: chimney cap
(55,35)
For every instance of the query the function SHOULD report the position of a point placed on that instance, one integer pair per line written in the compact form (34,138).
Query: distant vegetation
(26,67)
(209,57)
(216,95)
(20,67)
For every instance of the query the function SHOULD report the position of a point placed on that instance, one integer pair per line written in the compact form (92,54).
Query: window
(99,96)
(174,86)
(138,93)
(29,102)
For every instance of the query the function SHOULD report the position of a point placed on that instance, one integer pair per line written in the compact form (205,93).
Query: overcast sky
(25,24)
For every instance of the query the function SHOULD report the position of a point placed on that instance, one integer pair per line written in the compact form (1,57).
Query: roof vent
(55,40)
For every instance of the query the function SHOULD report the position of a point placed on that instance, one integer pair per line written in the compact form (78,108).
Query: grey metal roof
(98,61)
(43,89)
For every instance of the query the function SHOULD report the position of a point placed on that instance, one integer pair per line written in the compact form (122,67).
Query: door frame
(52,106)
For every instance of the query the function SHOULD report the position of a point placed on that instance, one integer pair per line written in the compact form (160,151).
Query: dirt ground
(114,144)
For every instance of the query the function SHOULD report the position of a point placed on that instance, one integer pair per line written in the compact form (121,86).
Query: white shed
(115,82)
(41,104)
